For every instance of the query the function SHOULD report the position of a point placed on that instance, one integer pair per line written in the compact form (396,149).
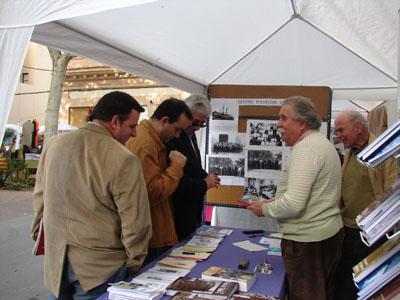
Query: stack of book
(386,145)
(378,268)
(252,296)
(193,288)
(135,290)
(244,279)
(380,216)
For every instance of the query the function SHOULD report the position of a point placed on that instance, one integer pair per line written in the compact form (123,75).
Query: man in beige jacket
(92,196)
(360,186)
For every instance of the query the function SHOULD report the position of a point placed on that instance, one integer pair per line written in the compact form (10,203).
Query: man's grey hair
(304,111)
(356,118)
(199,104)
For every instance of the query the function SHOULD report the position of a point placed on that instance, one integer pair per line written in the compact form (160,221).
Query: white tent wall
(190,44)
(17,21)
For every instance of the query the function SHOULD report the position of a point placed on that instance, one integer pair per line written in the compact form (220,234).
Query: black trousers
(354,251)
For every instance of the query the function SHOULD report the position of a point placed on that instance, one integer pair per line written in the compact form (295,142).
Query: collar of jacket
(97,128)
(152,132)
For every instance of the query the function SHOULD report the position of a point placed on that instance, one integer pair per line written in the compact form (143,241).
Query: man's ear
(164,120)
(115,122)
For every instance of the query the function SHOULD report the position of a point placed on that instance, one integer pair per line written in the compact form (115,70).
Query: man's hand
(177,157)
(256,206)
(212,180)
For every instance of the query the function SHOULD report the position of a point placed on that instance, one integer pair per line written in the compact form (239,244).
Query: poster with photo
(263,133)
(229,168)
(226,143)
(264,163)
(260,187)
(224,115)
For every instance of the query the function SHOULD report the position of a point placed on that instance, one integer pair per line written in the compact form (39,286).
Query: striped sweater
(307,198)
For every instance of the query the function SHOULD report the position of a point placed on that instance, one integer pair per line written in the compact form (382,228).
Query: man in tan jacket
(92,196)
(162,171)
(360,186)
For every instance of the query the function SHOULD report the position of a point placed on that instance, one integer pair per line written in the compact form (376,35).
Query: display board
(243,145)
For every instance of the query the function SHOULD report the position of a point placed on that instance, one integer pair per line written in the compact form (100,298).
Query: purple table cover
(228,256)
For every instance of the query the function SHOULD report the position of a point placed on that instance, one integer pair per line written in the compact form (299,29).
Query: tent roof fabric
(191,44)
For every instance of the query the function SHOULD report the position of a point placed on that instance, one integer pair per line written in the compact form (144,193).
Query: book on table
(217,288)
(180,252)
(252,296)
(195,296)
(375,259)
(244,279)
(177,263)
(215,232)
(246,199)
(135,290)
(38,248)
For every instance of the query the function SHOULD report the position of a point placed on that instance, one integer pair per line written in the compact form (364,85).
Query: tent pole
(398,67)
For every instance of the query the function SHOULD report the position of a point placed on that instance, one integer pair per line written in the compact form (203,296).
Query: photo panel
(263,163)
(260,187)
(225,143)
(229,168)
(261,133)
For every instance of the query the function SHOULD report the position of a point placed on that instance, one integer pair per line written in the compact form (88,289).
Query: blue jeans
(71,288)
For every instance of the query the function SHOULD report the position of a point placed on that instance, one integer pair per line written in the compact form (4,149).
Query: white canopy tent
(190,44)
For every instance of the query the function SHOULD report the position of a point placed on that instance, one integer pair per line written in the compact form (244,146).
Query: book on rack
(135,290)
(216,288)
(389,149)
(391,291)
(38,248)
(377,207)
(376,258)
(386,272)
(185,254)
(373,234)
(215,232)
(177,263)
(244,279)
(252,296)
(380,145)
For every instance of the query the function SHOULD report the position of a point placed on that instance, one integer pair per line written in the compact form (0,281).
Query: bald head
(352,129)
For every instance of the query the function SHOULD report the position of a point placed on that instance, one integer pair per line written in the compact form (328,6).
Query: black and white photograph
(227,143)
(229,169)
(260,188)
(224,110)
(264,163)
(263,133)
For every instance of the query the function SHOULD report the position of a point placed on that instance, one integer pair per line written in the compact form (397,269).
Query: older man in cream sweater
(306,203)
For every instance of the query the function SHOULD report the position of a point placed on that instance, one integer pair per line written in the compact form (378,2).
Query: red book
(38,248)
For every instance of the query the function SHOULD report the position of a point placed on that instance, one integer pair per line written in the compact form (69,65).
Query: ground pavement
(21,276)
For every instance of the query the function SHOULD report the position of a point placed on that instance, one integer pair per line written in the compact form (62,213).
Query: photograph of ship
(222,114)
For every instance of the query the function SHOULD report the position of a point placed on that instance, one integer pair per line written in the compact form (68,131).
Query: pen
(254,235)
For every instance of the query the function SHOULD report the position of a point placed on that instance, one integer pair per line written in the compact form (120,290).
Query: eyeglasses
(200,124)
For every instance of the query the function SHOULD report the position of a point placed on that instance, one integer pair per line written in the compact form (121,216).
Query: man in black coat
(188,198)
